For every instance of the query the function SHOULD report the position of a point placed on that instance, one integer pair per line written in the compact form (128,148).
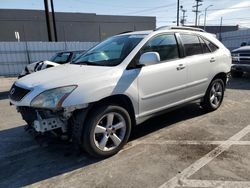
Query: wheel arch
(221,75)
(120,100)
(80,116)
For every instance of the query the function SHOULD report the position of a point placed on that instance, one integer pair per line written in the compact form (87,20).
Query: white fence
(15,55)
(233,39)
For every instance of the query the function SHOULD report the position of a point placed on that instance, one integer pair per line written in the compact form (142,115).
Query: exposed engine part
(43,120)
(49,124)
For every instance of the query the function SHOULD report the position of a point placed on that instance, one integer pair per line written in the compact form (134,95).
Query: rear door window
(192,45)
(204,46)
(212,46)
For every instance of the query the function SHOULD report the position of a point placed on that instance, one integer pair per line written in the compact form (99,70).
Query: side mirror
(149,58)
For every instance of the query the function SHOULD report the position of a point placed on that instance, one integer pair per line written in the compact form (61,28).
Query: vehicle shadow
(167,119)
(240,83)
(24,161)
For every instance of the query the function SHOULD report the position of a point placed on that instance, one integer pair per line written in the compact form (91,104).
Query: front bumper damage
(44,125)
(45,120)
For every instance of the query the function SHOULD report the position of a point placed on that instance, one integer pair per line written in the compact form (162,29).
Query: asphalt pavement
(183,148)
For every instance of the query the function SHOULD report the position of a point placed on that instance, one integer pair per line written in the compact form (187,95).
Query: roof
(165,28)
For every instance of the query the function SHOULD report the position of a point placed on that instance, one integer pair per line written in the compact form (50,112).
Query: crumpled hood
(68,74)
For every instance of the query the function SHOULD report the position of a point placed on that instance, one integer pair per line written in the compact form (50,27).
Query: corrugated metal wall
(15,55)
(233,39)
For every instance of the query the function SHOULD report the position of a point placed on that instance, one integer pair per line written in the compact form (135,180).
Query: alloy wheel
(216,94)
(110,131)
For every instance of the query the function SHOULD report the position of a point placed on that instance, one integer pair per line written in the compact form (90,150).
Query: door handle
(212,60)
(180,67)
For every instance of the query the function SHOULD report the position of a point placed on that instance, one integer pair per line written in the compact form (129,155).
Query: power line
(229,8)
(151,9)
(239,18)
(111,5)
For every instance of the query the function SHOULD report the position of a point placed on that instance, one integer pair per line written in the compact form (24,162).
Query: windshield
(61,58)
(110,52)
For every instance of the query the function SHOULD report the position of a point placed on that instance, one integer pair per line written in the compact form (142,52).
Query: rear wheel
(214,95)
(106,131)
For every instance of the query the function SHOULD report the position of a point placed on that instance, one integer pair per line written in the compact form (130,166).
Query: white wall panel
(15,55)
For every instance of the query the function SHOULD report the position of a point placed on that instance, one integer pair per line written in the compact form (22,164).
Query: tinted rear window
(204,46)
(212,46)
(191,44)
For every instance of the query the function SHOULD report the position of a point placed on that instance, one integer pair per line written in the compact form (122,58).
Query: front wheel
(106,131)
(214,95)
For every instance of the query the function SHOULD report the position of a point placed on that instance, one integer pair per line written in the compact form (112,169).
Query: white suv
(121,82)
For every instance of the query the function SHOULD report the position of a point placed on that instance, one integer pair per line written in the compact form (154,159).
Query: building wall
(217,29)
(31,25)
(233,39)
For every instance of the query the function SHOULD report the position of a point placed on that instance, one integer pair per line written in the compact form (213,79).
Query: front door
(163,84)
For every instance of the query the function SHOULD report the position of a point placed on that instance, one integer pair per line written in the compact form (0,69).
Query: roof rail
(181,28)
(188,28)
(162,27)
(124,32)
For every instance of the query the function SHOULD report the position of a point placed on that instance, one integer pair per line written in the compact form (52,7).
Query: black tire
(236,74)
(209,105)
(89,136)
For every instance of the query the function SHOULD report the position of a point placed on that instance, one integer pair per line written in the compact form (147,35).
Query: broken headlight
(52,98)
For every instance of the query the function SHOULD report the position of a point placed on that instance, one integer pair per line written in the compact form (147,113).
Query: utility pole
(198,4)
(178,12)
(199,19)
(53,19)
(205,18)
(47,19)
(183,20)
(220,37)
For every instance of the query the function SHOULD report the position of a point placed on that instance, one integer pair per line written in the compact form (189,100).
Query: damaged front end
(59,122)
(43,120)
(45,112)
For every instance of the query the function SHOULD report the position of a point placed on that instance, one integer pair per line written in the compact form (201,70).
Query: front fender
(93,91)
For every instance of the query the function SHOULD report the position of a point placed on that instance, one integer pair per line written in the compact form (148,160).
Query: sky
(233,12)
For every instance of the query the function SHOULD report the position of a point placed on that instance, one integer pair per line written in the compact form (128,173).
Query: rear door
(199,64)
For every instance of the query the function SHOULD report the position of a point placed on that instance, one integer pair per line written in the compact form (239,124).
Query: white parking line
(215,183)
(193,142)
(193,168)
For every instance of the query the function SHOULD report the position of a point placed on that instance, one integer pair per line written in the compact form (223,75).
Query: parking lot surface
(184,148)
